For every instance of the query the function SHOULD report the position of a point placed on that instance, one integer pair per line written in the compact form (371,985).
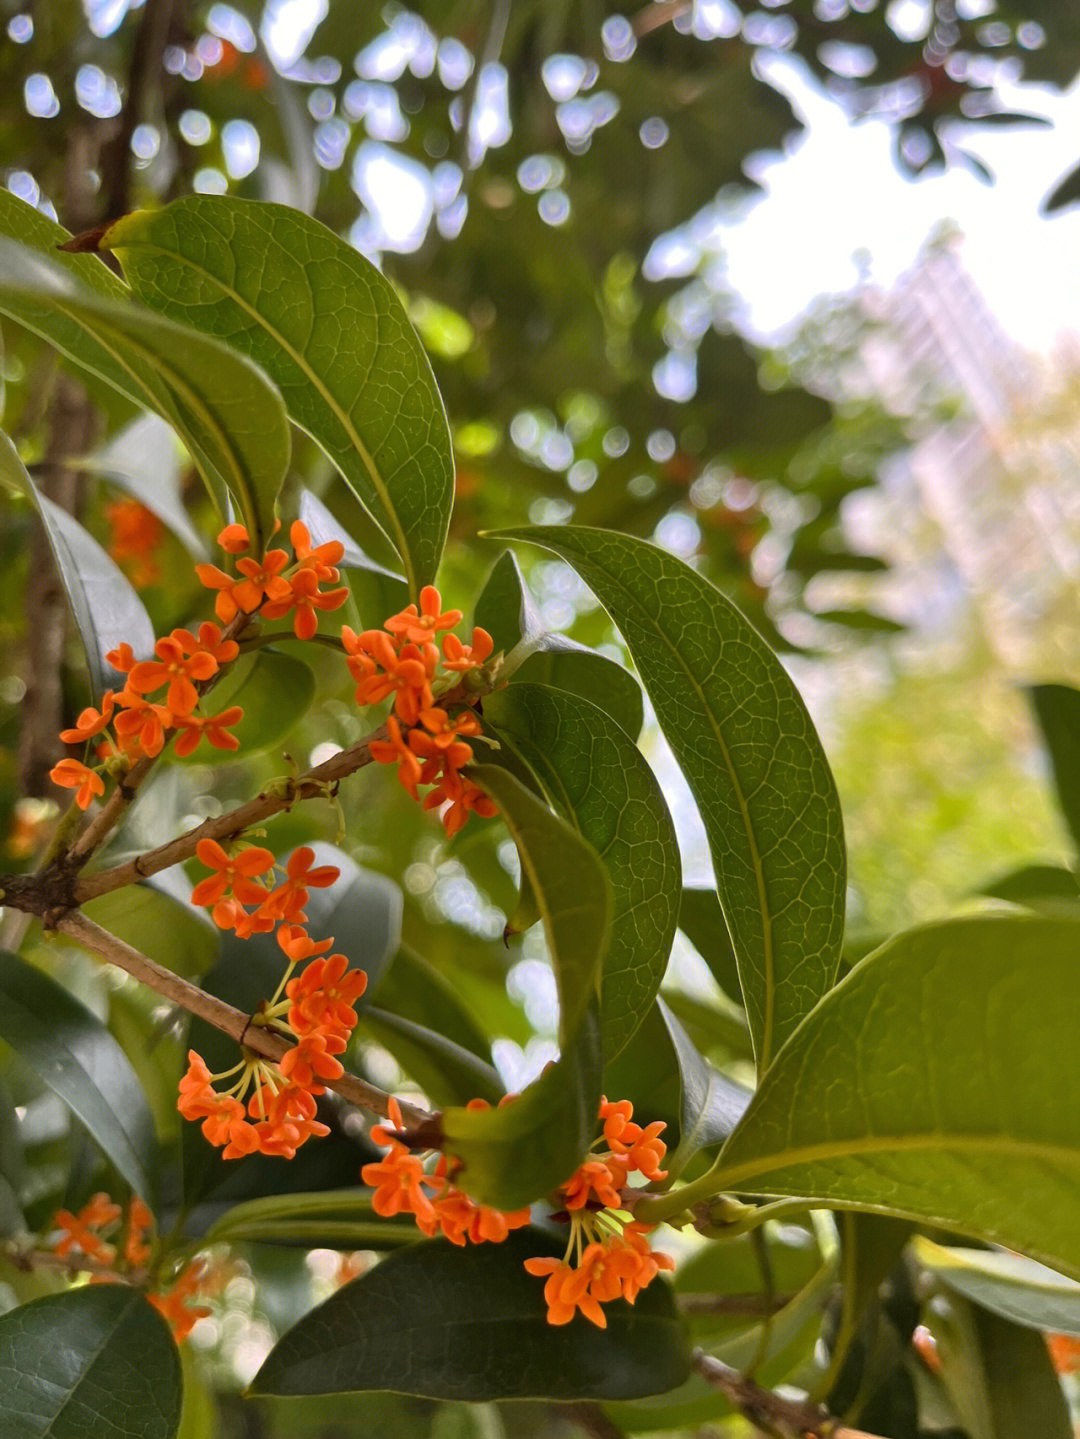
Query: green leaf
(274,690)
(514,1154)
(1035,885)
(447,1072)
(412,988)
(229,416)
(915,1089)
(155,918)
(999,1376)
(323,1219)
(508,612)
(702,921)
(105,608)
(94,1361)
(471,1324)
(597,779)
(1057,709)
(752,758)
(1007,1284)
(332,334)
(75,1055)
(712,1104)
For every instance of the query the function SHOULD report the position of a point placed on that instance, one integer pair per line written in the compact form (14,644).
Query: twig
(785,1418)
(310,785)
(27,1260)
(144,75)
(733,1303)
(231,1021)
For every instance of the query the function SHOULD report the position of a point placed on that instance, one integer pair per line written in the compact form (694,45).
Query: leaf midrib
(88,1368)
(374,473)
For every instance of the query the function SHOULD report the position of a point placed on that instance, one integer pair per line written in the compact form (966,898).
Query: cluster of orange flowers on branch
(607,1256)
(315,1009)
(140,724)
(124,1256)
(427,743)
(273,585)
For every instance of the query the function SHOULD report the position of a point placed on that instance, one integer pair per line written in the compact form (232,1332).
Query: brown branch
(144,77)
(784,1418)
(27,1260)
(733,1303)
(231,1021)
(310,785)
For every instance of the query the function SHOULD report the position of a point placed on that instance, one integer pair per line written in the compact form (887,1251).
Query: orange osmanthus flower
(73,774)
(420,626)
(236,873)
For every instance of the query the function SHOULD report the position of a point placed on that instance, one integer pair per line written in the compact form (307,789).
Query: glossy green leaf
(915,1089)
(328,329)
(752,758)
(145,460)
(598,780)
(508,612)
(712,1104)
(999,1376)
(229,416)
(94,1361)
(471,1324)
(1057,709)
(447,1072)
(514,1154)
(153,917)
(273,689)
(1007,1284)
(105,608)
(72,1052)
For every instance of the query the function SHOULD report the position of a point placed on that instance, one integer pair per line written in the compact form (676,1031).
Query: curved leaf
(471,1324)
(446,1071)
(712,1104)
(752,758)
(71,1051)
(598,780)
(1007,1284)
(94,1361)
(507,610)
(105,608)
(323,1219)
(229,416)
(916,1088)
(328,329)
(514,1154)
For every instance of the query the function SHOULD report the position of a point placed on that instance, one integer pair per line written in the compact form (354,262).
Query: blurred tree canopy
(545,181)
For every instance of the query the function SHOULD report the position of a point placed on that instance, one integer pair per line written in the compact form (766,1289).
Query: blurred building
(995,467)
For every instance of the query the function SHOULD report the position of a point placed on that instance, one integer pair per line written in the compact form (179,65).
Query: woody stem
(231,1021)
(788,1418)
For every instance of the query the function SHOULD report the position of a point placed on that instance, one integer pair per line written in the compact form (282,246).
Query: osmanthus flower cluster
(427,742)
(123,1257)
(276,585)
(270,1108)
(607,1256)
(133,725)
(135,532)
(162,695)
